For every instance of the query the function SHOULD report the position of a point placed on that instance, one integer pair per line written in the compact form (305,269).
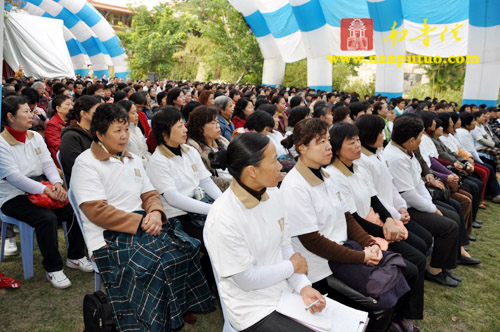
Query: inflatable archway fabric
(290,30)
(38,44)
(89,37)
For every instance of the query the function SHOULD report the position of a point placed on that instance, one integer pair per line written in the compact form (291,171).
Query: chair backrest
(76,210)
(58,156)
(227,325)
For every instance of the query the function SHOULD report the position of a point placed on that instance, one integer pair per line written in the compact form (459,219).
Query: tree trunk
(241,77)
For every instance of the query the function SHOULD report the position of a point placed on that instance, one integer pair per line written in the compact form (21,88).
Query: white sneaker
(83,264)
(10,247)
(58,279)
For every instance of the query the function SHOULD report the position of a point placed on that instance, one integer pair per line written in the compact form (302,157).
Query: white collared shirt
(26,158)
(121,184)
(171,172)
(428,149)
(465,138)
(313,205)
(240,232)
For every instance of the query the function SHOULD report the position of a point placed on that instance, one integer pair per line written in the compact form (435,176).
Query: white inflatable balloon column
(89,36)
(482,80)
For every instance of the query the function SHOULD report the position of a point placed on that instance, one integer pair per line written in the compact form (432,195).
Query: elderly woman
(24,164)
(76,138)
(205,136)
(226,109)
(62,104)
(248,242)
(149,266)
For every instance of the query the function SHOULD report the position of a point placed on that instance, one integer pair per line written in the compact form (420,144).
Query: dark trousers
(197,233)
(474,187)
(45,223)
(453,210)
(276,322)
(411,305)
(445,233)
(493,188)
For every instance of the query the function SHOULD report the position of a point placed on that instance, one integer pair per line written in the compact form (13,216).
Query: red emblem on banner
(356,34)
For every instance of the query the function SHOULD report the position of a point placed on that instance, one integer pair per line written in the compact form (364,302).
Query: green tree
(233,53)
(153,39)
(445,76)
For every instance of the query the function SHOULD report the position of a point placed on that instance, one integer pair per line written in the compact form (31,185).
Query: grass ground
(473,306)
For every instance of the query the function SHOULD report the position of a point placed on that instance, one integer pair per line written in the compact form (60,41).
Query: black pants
(276,322)
(197,233)
(445,233)
(45,223)
(453,210)
(411,305)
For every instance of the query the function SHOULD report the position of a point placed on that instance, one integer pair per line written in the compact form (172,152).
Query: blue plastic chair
(76,209)
(27,235)
(227,325)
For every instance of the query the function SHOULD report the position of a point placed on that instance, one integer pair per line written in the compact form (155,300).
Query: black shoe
(441,279)
(452,275)
(472,238)
(468,261)
(479,221)
(475,224)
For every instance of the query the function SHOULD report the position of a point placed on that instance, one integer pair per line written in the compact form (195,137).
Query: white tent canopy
(38,44)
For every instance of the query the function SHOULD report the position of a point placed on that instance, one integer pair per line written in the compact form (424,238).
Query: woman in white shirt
(25,162)
(136,143)
(248,242)
(321,226)
(356,185)
(178,173)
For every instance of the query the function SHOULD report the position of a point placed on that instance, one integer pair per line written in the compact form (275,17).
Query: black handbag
(97,314)
(198,220)
(442,195)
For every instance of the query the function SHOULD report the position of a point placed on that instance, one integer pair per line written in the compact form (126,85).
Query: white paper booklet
(336,317)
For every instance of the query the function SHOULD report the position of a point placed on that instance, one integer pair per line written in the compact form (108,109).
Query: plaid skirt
(152,281)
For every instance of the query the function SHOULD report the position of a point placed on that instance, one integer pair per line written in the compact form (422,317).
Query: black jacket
(74,140)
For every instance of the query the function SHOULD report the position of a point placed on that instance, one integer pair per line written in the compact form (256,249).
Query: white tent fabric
(38,44)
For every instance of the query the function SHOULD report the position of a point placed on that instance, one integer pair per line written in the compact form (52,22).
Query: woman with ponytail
(248,241)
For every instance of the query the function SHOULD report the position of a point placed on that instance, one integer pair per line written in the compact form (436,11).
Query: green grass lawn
(473,306)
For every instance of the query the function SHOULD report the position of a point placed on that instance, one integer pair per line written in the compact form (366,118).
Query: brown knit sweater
(323,247)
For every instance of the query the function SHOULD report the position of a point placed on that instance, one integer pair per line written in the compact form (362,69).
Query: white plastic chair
(76,209)
(227,325)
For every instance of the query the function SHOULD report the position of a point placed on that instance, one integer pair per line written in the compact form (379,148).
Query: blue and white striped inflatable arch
(89,37)
(291,30)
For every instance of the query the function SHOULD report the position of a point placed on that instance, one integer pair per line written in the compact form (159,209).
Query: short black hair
(84,103)
(340,132)
(466,118)
(104,116)
(356,108)
(296,114)
(427,118)
(369,127)
(11,105)
(319,108)
(259,120)
(162,122)
(271,109)
(405,127)
(138,98)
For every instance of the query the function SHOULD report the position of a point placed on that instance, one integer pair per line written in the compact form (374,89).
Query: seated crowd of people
(278,188)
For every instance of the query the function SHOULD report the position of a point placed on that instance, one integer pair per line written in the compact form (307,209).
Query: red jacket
(238,122)
(143,122)
(53,135)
